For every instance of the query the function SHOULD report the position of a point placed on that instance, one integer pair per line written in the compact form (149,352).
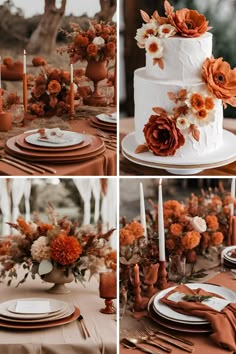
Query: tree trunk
(43,39)
(108,9)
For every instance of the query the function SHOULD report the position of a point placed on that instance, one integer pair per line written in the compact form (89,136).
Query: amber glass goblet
(107,290)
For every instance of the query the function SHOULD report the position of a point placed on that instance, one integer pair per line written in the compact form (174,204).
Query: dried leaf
(231,101)
(161,63)
(193,129)
(172,96)
(141,148)
(159,110)
(168,8)
(182,94)
(145,16)
(160,20)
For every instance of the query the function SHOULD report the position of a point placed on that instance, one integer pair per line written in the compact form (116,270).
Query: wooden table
(128,168)
(65,339)
(103,165)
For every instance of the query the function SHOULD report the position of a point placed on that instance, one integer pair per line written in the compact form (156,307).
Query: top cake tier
(183,59)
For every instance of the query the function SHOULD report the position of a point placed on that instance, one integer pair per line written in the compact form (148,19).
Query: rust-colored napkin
(223,323)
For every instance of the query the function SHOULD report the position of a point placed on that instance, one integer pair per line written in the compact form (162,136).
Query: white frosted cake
(179,94)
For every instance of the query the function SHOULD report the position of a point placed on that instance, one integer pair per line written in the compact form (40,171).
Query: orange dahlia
(191,240)
(217,238)
(176,229)
(65,249)
(54,86)
(212,222)
(81,41)
(126,237)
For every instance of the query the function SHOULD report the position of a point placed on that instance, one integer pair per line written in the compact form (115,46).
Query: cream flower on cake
(147,30)
(166,31)
(154,47)
(182,123)
(40,249)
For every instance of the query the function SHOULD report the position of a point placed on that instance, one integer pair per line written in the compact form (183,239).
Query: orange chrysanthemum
(190,240)
(217,238)
(176,229)
(197,102)
(136,229)
(188,23)
(81,41)
(65,249)
(209,103)
(92,50)
(212,222)
(126,237)
(201,114)
(54,86)
(130,233)
(220,79)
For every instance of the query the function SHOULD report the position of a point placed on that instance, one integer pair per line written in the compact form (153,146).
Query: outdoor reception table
(131,169)
(202,342)
(102,165)
(65,339)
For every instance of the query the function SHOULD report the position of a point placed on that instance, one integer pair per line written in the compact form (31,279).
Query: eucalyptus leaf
(45,267)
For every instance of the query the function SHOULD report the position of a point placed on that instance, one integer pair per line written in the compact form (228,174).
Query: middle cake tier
(150,93)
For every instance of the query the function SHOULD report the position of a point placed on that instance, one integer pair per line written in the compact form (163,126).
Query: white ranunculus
(154,47)
(199,224)
(165,31)
(182,123)
(99,41)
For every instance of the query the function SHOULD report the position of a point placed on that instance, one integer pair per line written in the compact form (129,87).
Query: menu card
(30,306)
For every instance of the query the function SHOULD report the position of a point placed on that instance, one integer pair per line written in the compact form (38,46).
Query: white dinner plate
(106,118)
(166,312)
(69,139)
(56,305)
(226,255)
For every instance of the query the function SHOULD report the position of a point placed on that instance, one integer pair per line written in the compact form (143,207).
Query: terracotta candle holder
(150,273)
(162,276)
(5,121)
(72,101)
(107,291)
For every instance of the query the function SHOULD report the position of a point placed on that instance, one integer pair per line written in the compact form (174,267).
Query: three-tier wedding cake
(180,93)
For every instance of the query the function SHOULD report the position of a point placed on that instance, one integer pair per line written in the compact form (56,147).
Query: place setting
(106,122)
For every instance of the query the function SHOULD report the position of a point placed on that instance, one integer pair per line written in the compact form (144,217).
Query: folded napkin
(223,322)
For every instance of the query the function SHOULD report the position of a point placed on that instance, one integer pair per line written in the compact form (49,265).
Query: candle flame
(24,52)
(160,181)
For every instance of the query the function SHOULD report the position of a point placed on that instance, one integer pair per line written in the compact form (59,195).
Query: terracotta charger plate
(23,144)
(46,324)
(101,125)
(205,328)
(96,148)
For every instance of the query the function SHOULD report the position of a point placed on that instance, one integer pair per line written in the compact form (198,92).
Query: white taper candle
(142,210)
(161,229)
(71,73)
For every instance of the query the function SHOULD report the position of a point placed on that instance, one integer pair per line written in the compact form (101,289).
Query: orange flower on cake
(188,23)
(65,249)
(220,80)
(162,136)
(201,106)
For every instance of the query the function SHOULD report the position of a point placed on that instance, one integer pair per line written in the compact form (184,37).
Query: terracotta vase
(96,71)
(5,121)
(58,277)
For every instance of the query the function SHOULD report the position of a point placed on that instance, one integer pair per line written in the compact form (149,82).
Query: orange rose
(220,79)
(190,240)
(176,229)
(54,86)
(217,238)
(212,222)
(92,50)
(188,23)
(162,136)
(197,101)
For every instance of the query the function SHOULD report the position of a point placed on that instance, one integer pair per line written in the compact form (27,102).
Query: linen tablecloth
(65,339)
(203,343)
(103,165)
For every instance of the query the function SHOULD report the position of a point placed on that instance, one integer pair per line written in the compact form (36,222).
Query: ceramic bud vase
(5,121)
(96,71)
(58,277)
(150,274)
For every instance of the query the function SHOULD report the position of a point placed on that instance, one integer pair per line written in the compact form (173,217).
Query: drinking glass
(107,290)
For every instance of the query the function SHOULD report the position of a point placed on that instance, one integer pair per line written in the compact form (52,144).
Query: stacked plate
(229,257)
(30,313)
(74,147)
(167,317)
(104,122)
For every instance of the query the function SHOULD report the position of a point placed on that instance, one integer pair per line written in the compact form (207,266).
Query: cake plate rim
(222,157)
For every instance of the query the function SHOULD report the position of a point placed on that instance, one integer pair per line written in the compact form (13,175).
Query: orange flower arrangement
(220,80)
(65,249)
(188,23)
(191,240)
(130,233)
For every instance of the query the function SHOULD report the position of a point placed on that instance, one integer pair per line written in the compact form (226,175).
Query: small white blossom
(182,123)
(154,47)
(165,31)
(146,31)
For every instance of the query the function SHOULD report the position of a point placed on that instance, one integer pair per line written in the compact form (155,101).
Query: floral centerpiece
(40,247)
(50,93)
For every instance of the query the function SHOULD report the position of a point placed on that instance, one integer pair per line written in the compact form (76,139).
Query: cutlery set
(83,326)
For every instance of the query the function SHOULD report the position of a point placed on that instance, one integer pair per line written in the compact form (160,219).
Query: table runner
(65,339)
(104,165)
(203,344)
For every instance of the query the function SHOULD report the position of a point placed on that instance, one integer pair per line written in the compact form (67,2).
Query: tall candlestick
(71,73)
(161,230)
(24,62)
(25,97)
(72,93)
(232,197)
(142,211)
(136,275)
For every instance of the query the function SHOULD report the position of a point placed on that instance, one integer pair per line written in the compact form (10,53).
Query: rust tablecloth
(65,339)
(203,343)
(104,165)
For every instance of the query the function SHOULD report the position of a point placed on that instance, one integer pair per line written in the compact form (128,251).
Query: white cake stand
(176,165)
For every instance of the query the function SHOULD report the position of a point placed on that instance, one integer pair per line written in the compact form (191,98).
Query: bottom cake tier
(150,93)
